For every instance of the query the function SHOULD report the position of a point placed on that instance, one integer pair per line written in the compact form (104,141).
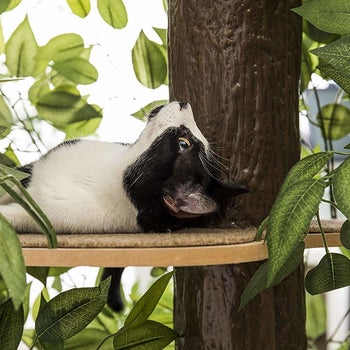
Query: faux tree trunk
(237,63)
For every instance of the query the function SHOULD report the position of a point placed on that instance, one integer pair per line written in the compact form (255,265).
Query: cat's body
(163,181)
(80,188)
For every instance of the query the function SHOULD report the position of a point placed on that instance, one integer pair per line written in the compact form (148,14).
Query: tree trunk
(237,63)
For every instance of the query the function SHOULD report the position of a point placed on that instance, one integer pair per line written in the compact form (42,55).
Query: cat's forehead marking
(175,114)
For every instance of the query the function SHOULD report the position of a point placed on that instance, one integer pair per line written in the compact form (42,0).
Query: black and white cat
(163,181)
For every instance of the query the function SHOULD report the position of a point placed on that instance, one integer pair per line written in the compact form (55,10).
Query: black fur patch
(166,169)
(67,143)
(155,111)
(115,300)
(183,105)
(143,182)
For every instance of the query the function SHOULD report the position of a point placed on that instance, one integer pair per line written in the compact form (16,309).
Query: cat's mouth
(190,206)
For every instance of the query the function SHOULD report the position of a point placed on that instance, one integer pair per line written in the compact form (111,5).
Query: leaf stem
(322,232)
(35,340)
(331,203)
(104,340)
(31,207)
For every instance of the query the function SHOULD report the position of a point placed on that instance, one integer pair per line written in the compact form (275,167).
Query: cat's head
(175,178)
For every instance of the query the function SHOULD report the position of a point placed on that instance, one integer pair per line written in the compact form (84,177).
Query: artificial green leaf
(82,129)
(149,62)
(21,50)
(336,60)
(308,64)
(316,316)
(5,112)
(345,234)
(2,41)
(341,77)
(345,251)
(57,284)
(331,17)
(4,160)
(11,326)
(40,302)
(164,311)
(28,337)
(58,106)
(19,175)
(11,4)
(38,89)
(345,345)
(63,106)
(12,159)
(289,220)
(145,111)
(341,187)
(258,282)
(306,168)
(162,33)
(89,339)
(3,291)
(146,304)
(25,302)
(88,111)
(332,272)
(148,335)
(55,271)
(107,321)
(113,12)
(318,35)
(335,53)
(80,7)
(57,79)
(12,267)
(260,230)
(336,121)
(38,272)
(4,131)
(60,48)
(158,271)
(70,312)
(79,70)
(52,346)
(3,5)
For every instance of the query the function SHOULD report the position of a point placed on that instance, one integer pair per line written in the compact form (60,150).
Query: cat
(164,181)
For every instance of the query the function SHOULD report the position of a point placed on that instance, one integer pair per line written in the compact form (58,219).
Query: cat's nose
(183,105)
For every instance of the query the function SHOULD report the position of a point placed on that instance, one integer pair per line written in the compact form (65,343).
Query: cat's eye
(184,143)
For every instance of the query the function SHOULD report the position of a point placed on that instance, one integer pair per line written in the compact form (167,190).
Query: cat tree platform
(188,248)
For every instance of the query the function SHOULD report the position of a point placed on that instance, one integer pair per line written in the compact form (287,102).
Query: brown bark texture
(237,63)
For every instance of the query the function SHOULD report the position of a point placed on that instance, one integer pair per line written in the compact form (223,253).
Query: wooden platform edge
(163,256)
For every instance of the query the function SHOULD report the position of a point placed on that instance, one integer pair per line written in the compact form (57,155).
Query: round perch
(187,248)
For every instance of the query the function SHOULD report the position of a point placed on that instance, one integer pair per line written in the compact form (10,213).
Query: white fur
(80,186)
(80,189)
(171,116)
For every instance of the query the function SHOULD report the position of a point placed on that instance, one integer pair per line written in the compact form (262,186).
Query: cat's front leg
(18,218)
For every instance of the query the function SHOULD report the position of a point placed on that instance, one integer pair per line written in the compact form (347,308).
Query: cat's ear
(223,189)
(189,200)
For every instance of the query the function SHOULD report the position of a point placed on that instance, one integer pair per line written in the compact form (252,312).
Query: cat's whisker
(218,164)
(136,179)
(207,165)
(217,155)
